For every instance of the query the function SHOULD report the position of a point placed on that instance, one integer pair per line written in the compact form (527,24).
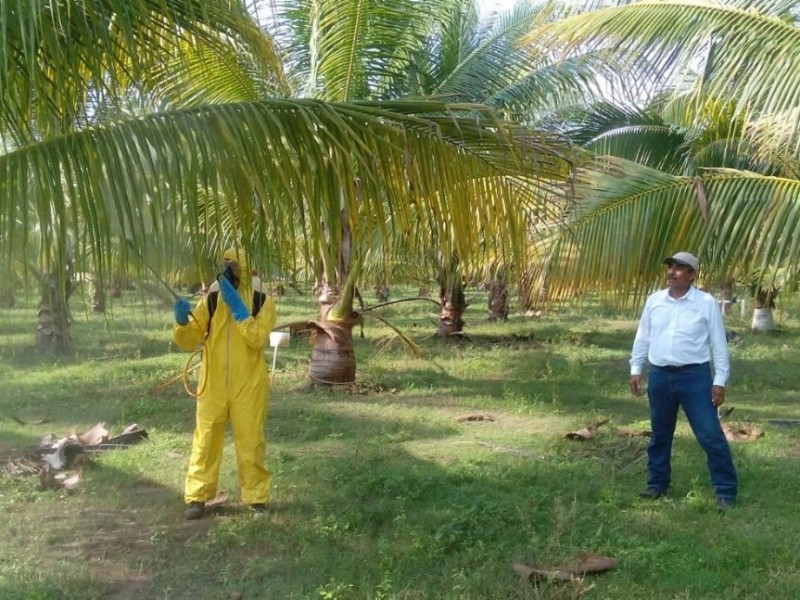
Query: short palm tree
(376,52)
(736,66)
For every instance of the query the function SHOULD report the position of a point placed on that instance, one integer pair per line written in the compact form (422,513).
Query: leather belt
(679,368)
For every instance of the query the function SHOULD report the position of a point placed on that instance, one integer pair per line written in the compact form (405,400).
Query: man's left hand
(717,395)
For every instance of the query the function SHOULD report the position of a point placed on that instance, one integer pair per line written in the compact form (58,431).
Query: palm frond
(54,53)
(631,217)
(748,52)
(343,48)
(223,171)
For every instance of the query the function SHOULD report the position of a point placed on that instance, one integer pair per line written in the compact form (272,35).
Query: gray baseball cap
(683,258)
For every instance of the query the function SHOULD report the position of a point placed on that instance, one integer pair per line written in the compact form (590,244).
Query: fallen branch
(590,563)
(19,421)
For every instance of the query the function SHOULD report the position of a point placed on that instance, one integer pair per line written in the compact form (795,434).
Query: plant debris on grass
(59,461)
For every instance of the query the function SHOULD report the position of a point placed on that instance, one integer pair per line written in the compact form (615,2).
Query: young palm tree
(377,52)
(730,191)
(439,50)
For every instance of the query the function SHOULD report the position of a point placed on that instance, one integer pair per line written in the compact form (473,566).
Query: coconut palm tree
(668,136)
(267,168)
(733,66)
(62,62)
(465,59)
(376,52)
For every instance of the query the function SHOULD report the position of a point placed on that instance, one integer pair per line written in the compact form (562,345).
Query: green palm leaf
(750,50)
(289,163)
(631,217)
(53,54)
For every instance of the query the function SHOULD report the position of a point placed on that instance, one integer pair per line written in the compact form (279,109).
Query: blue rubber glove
(233,299)
(182,311)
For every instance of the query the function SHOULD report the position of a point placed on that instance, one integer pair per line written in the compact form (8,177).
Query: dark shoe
(725,504)
(652,494)
(258,508)
(194,511)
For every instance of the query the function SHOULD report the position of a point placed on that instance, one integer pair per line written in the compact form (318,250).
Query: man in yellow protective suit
(233,385)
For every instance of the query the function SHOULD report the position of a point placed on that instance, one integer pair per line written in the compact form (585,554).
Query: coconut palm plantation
(541,162)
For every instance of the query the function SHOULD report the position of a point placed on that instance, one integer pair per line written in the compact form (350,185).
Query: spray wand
(158,277)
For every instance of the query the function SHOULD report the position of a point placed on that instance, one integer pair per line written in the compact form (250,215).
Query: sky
(488,6)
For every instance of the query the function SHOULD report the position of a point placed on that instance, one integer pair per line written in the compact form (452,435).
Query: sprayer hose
(188,369)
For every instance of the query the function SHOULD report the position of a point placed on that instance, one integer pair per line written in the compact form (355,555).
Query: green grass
(380,491)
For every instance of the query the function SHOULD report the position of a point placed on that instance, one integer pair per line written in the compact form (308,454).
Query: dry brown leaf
(218,500)
(69,480)
(47,479)
(95,435)
(589,563)
(742,432)
(476,417)
(132,434)
(587,432)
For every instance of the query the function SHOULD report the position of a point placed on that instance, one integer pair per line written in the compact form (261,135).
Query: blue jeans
(690,388)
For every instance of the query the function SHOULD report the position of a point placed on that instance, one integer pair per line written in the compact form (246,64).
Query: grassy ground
(382,491)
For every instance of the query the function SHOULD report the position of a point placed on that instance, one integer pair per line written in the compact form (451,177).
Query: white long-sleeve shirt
(683,331)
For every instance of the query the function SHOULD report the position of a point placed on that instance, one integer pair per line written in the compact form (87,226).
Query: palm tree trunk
(454,303)
(762,319)
(498,300)
(8,283)
(726,297)
(382,293)
(333,358)
(763,303)
(52,331)
(97,294)
(6,296)
(532,292)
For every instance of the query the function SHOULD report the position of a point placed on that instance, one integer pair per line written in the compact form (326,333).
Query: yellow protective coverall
(233,384)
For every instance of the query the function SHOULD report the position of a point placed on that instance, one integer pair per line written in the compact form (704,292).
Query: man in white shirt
(680,332)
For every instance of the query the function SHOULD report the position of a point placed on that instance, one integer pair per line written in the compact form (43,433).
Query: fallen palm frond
(589,563)
(587,432)
(59,461)
(476,417)
(742,432)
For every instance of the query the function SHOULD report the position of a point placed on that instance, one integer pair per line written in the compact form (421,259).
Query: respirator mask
(230,276)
